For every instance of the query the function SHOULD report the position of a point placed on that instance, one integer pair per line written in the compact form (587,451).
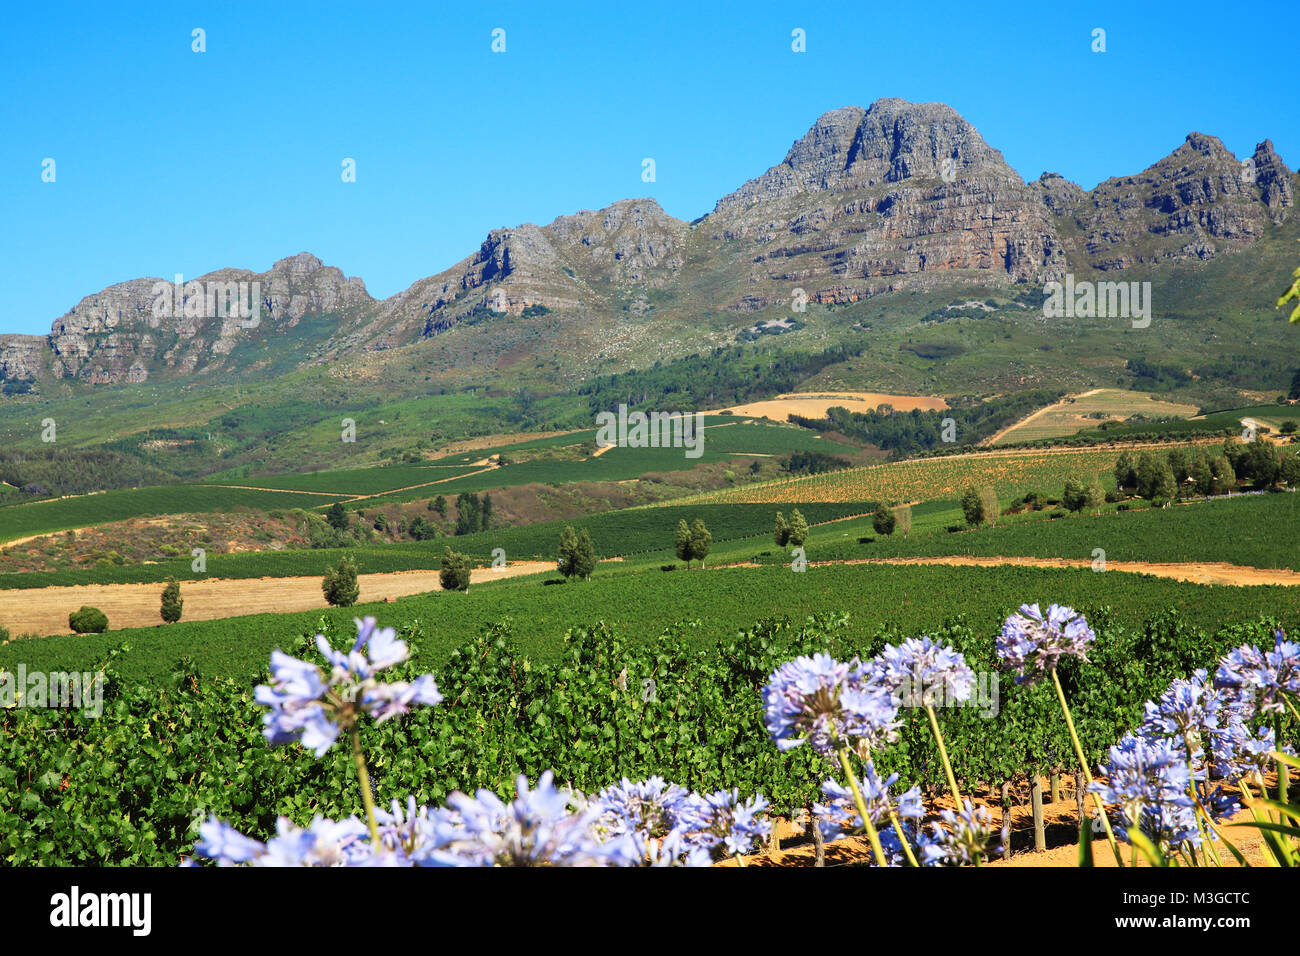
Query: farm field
(1010,473)
(814,404)
(1077,412)
(43,517)
(703,607)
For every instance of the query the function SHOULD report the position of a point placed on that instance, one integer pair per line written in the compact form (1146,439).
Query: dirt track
(45,611)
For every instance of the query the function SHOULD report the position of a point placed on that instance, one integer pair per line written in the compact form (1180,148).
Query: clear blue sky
(174,161)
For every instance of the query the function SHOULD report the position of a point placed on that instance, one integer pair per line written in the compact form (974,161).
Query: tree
(1289,471)
(1074,497)
(340,584)
(702,540)
(89,620)
(1180,464)
(1224,478)
(972,506)
(682,542)
(1202,476)
(439,504)
(485,513)
(1261,464)
(883,520)
(1126,477)
(171,602)
(1095,496)
(454,573)
(585,556)
(781,531)
(989,501)
(567,553)
(337,516)
(469,513)
(903,514)
(1156,480)
(798,529)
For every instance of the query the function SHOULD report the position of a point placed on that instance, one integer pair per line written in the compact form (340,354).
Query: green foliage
(780,531)
(172,603)
(454,573)
(972,507)
(682,541)
(340,584)
(883,520)
(337,517)
(701,541)
(812,463)
(88,620)
(1074,497)
(798,529)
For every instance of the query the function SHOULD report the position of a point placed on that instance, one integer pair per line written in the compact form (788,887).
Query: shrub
(89,620)
(667,567)
(340,584)
(171,603)
(454,575)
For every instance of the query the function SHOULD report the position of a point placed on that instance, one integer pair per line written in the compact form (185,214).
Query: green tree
(1074,497)
(1095,496)
(1201,474)
(989,501)
(337,516)
(171,602)
(1225,479)
(485,513)
(567,553)
(1126,477)
(88,620)
(883,520)
(682,542)
(454,573)
(1289,471)
(584,559)
(340,584)
(781,531)
(972,506)
(1156,480)
(439,504)
(798,529)
(702,540)
(904,516)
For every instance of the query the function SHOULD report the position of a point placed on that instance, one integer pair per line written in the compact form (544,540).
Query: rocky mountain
(895,197)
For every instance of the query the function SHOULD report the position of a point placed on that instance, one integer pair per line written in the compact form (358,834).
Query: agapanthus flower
(309,708)
(839,814)
(1033,644)
(828,704)
(1264,677)
(921,671)
(650,807)
(537,828)
(1148,780)
(722,823)
(963,837)
(323,843)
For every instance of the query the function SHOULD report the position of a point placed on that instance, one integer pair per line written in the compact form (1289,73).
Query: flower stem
(898,828)
(366,797)
(943,755)
(1083,768)
(872,836)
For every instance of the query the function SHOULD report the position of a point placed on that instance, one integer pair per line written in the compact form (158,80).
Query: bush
(340,584)
(89,620)
(454,575)
(171,603)
(865,540)
(667,567)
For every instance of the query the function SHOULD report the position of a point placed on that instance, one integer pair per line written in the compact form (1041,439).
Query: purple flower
(924,672)
(307,708)
(1263,676)
(965,837)
(1032,644)
(1148,780)
(722,823)
(650,808)
(839,814)
(828,704)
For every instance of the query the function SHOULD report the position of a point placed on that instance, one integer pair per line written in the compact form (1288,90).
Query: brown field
(45,611)
(1072,414)
(814,404)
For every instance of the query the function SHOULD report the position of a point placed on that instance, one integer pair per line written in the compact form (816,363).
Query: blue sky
(172,161)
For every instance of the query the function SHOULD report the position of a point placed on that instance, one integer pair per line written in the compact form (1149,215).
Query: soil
(44,611)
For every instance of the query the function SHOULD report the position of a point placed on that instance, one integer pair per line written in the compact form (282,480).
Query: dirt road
(45,611)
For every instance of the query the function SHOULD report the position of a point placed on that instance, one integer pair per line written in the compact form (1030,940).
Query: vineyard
(928,479)
(133,785)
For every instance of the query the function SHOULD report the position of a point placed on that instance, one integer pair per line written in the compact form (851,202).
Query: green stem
(1281,767)
(943,755)
(1083,768)
(898,828)
(366,796)
(872,836)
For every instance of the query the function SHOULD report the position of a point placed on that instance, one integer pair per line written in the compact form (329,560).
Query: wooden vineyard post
(1054,786)
(1006,812)
(1079,795)
(1036,802)
(819,843)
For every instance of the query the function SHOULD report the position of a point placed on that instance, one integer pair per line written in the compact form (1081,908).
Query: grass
(1077,413)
